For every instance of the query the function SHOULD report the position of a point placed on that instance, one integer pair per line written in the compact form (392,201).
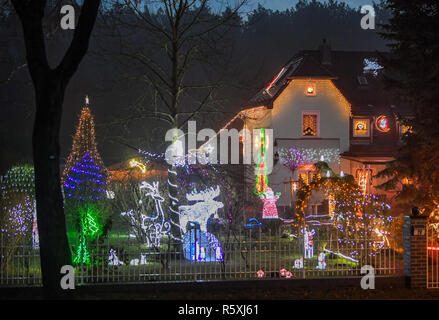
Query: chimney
(325,52)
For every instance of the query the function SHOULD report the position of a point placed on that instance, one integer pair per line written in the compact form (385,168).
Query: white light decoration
(309,243)
(136,262)
(341,255)
(371,66)
(154,227)
(298,264)
(110,194)
(113,260)
(321,261)
(202,210)
(313,155)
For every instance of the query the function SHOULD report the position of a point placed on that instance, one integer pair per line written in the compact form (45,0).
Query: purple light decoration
(291,158)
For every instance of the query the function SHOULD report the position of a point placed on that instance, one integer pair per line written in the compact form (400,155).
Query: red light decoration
(260,273)
(270,85)
(382,124)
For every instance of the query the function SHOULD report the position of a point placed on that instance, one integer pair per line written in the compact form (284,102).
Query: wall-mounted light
(310,89)
(382,124)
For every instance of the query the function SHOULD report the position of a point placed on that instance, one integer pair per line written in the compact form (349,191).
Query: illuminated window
(361,128)
(310,124)
(310,89)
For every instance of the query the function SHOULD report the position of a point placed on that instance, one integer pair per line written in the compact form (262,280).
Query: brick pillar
(418,252)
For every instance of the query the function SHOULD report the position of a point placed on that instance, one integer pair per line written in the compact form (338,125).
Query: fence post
(406,241)
(417,254)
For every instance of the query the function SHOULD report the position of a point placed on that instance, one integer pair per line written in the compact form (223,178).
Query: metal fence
(433,255)
(244,255)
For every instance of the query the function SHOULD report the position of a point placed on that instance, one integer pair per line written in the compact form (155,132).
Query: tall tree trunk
(54,246)
(50,85)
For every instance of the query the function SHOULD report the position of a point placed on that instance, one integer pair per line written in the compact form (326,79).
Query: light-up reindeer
(201,211)
(155,227)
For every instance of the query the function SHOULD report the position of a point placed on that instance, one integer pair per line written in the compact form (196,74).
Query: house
(332,105)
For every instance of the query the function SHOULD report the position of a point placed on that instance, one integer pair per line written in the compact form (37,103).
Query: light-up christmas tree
(84,182)
(85,175)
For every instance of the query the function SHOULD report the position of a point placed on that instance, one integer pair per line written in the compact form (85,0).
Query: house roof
(368,97)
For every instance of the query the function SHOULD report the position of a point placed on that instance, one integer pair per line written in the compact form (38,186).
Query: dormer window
(310,124)
(310,89)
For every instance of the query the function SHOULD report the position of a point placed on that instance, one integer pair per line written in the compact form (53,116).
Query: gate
(433,255)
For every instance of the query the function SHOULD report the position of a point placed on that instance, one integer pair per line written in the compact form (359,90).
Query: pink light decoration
(288,275)
(283,272)
(269,210)
(260,273)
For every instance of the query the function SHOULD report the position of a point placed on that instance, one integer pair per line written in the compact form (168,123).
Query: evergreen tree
(412,72)
(84,181)
(85,173)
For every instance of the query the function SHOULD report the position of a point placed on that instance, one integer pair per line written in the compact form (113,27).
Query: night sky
(285,4)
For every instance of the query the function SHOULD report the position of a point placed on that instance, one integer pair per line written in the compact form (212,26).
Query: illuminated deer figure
(201,211)
(155,227)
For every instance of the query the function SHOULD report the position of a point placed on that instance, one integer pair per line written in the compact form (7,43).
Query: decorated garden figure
(113,259)
(202,210)
(269,198)
(35,236)
(309,243)
(298,264)
(136,262)
(322,263)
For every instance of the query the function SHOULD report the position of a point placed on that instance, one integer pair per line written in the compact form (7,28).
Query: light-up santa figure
(269,198)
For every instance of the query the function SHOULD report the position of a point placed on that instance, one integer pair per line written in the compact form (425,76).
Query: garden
(150,221)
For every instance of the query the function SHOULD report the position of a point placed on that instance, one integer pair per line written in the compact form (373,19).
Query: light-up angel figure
(269,198)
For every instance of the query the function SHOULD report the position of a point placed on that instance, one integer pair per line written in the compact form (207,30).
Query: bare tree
(50,85)
(175,47)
